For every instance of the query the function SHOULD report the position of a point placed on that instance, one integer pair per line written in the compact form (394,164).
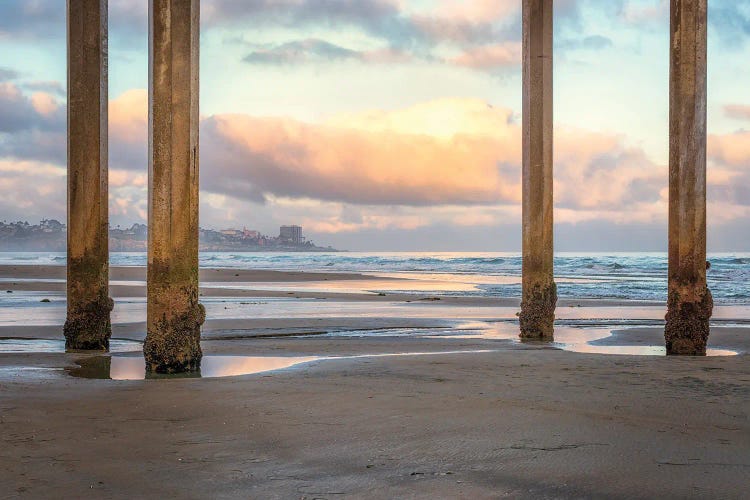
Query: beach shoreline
(51,278)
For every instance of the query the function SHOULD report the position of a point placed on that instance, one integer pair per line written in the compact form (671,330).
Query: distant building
(291,234)
(140,230)
(51,226)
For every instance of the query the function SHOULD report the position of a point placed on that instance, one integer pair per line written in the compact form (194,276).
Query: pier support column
(539,290)
(174,314)
(88,318)
(689,302)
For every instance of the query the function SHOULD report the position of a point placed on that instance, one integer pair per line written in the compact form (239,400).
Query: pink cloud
(732,150)
(478,10)
(490,56)
(44,103)
(737,111)
(299,160)
(420,157)
(438,153)
(637,14)
(128,116)
(123,178)
(729,173)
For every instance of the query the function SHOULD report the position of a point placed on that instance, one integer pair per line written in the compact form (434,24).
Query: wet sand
(524,420)
(127,282)
(139,273)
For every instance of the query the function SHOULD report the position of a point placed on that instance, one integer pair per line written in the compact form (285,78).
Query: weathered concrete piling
(174,313)
(689,302)
(88,318)
(539,290)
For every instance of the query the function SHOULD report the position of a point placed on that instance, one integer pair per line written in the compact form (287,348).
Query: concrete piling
(87,326)
(539,292)
(174,313)
(689,301)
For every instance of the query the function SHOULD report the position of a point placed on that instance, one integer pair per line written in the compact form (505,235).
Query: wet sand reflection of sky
(573,339)
(29,311)
(19,345)
(134,367)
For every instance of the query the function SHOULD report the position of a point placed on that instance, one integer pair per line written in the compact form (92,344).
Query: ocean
(635,276)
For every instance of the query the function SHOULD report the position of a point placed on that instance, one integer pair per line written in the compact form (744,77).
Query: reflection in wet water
(635,350)
(387,284)
(27,310)
(583,340)
(134,368)
(567,338)
(19,345)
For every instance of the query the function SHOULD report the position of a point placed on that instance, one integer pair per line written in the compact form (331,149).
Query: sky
(388,125)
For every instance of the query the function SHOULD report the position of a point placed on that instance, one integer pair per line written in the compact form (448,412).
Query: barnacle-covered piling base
(688,312)
(88,327)
(173,344)
(537,316)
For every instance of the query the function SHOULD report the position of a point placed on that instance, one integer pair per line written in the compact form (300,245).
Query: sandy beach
(406,397)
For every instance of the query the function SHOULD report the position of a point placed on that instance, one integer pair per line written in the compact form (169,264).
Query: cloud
(17,110)
(128,130)
(32,19)
(309,50)
(398,23)
(49,87)
(637,13)
(46,19)
(32,128)
(484,35)
(444,118)
(31,187)
(729,171)
(737,111)
(491,57)
(475,32)
(313,50)
(459,152)
(7,74)
(598,175)
(730,150)
(378,18)
(33,155)
(440,153)
(20,112)
(45,104)
(370,158)
(569,14)
(440,30)
(293,159)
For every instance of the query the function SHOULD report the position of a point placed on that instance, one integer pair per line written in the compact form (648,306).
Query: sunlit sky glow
(393,124)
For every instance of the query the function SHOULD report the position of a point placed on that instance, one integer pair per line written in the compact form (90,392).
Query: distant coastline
(50,235)
(115,248)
